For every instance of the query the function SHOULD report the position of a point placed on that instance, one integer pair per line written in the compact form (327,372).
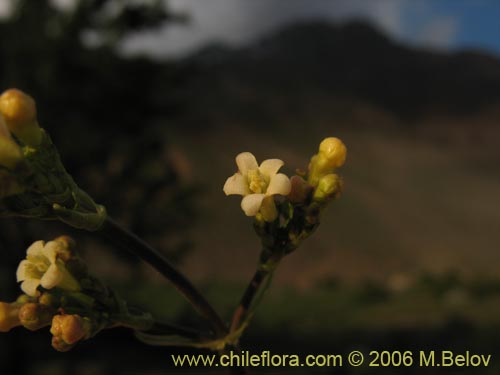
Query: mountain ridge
(353,59)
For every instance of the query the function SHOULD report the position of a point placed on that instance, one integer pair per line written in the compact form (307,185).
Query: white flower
(257,184)
(43,266)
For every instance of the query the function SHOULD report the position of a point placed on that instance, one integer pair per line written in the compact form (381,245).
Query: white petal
(22,271)
(236,184)
(251,204)
(246,161)
(268,209)
(279,184)
(52,277)
(30,286)
(51,250)
(270,167)
(35,249)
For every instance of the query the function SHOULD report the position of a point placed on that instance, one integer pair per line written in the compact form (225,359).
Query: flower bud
(334,150)
(300,190)
(65,247)
(10,152)
(19,110)
(24,298)
(331,155)
(34,316)
(59,344)
(4,130)
(49,299)
(328,186)
(9,316)
(68,330)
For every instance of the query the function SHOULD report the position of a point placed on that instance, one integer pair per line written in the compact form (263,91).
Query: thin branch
(137,246)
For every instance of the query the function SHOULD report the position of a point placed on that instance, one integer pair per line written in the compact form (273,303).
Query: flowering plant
(58,290)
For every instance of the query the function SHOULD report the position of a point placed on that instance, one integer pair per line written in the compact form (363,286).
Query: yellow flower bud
(49,299)
(24,298)
(68,330)
(19,110)
(334,150)
(10,153)
(9,316)
(327,187)
(331,155)
(34,316)
(59,344)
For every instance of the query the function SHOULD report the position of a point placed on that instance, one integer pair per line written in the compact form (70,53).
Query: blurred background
(150,101)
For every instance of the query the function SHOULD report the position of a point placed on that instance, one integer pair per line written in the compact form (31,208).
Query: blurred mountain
(319,62)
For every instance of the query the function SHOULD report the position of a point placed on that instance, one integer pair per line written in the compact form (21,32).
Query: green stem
(141,322)
(131,242)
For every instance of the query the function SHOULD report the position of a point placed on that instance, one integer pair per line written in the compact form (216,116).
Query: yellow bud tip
(17,106)
(70,328)
(334,150)
(19,111)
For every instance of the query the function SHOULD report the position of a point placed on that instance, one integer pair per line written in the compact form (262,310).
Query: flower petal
(279,184)
(52,277)
(246,161)
(51,250)
(268,209)
(36,248)
(23,270)
(270,167)
(29,286)
(251,204)
(236,184)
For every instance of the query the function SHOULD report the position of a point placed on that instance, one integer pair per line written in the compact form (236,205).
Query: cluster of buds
(287,210)
(60,293)
(33,180)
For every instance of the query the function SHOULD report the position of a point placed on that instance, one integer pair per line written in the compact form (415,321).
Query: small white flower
(257,184)
(43,266)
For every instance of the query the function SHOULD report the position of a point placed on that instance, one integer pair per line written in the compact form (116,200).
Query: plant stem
(131,242)
(254,289)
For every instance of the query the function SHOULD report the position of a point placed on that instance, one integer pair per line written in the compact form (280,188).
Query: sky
(439,24)
(442,24)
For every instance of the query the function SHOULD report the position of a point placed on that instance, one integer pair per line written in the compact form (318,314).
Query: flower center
(257,181)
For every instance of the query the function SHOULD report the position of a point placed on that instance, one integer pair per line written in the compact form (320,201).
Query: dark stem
(256,287)
(137,246)
(247,299)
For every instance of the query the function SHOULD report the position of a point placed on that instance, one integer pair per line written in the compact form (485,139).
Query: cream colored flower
(257,184)
(43,266)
